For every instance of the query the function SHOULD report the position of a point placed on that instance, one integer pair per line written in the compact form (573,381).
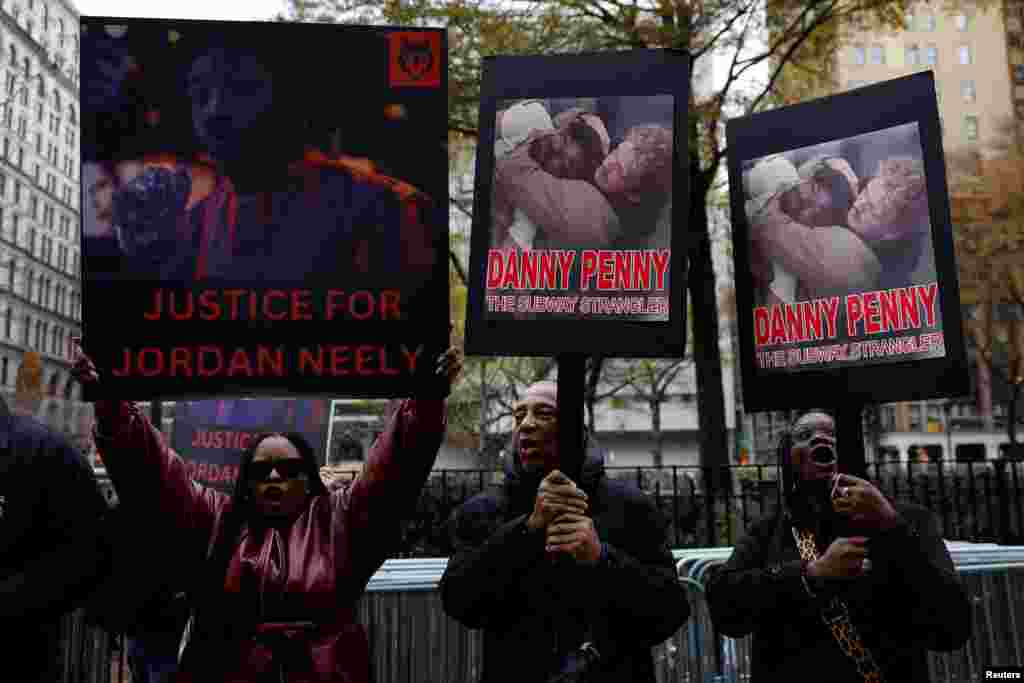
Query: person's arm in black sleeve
(752,587)
(50,583)
(480,584)
(938,610)
(639,582)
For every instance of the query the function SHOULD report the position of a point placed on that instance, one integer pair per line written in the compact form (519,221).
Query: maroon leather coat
(320,565)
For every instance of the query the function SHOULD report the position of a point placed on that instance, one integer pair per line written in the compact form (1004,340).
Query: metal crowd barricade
(411,639)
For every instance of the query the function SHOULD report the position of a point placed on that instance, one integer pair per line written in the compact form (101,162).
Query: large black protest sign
(845,271)
(581,199)
(258,218)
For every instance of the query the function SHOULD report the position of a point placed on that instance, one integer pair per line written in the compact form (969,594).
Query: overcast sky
(182,9)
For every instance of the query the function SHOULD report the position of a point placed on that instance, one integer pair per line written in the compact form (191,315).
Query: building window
(859,56)
(5,374)
(1018,73)
(916,418)
(931,55)
(971,127)
(970,452)
(962,23)
(965,54)
(967,90)
(924,454)
(928,22)
(908,21)
(913,55)
(877,54)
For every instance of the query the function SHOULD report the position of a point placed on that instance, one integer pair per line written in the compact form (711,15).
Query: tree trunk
(985,392)
(1011,421)
(659,438)
(593,381)
(711,437)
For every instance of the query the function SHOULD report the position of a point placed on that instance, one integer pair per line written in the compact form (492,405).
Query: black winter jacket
(910,601)
(50,540)
(534,611)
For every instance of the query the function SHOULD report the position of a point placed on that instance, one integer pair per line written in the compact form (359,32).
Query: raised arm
(570,212)
(385,493)
(150,478)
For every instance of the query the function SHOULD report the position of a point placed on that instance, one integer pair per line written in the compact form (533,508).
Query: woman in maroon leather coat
(278,567)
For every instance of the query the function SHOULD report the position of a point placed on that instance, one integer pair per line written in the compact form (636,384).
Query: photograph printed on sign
(230,199)
(841,254)
(581,209)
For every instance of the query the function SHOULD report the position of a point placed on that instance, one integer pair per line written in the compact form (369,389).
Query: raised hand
(82,367)
(147,208)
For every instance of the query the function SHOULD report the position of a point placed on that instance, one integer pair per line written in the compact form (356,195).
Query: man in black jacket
(50,550)
(546,565)
(842,585)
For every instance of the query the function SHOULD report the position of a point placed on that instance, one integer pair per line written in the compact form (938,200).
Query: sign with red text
(247,227)
(844,255)
(578,202)
(212,435)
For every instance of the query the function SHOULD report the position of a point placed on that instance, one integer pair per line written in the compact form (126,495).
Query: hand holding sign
(82,367)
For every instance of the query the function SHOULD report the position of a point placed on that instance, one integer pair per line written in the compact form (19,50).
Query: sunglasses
(292,468)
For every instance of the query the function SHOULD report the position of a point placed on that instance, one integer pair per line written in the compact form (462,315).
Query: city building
(1015,46)
(40,261)
(968,54)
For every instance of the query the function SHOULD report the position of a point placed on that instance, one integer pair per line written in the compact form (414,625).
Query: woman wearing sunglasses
(276,568)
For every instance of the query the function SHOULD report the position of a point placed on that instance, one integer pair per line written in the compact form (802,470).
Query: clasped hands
(560,510)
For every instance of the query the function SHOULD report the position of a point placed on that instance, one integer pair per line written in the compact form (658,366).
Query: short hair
(654,150)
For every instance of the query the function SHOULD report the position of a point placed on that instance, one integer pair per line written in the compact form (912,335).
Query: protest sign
(581,192)
(252,222)
(845,272)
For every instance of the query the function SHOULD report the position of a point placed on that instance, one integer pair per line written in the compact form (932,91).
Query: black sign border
(911,99)
(100,342)
(627,73)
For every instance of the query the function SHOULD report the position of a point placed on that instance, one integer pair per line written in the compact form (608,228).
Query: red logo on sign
(415,59)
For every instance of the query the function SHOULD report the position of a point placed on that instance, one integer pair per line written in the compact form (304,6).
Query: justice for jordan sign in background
(251,224)
(212,435)
(579,206)
(844,255)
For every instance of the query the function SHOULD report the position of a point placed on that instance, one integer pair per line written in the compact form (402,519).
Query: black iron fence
(974,501)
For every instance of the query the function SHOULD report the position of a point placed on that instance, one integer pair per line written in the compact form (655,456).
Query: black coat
(534,612)
(50,549)
(909,602)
